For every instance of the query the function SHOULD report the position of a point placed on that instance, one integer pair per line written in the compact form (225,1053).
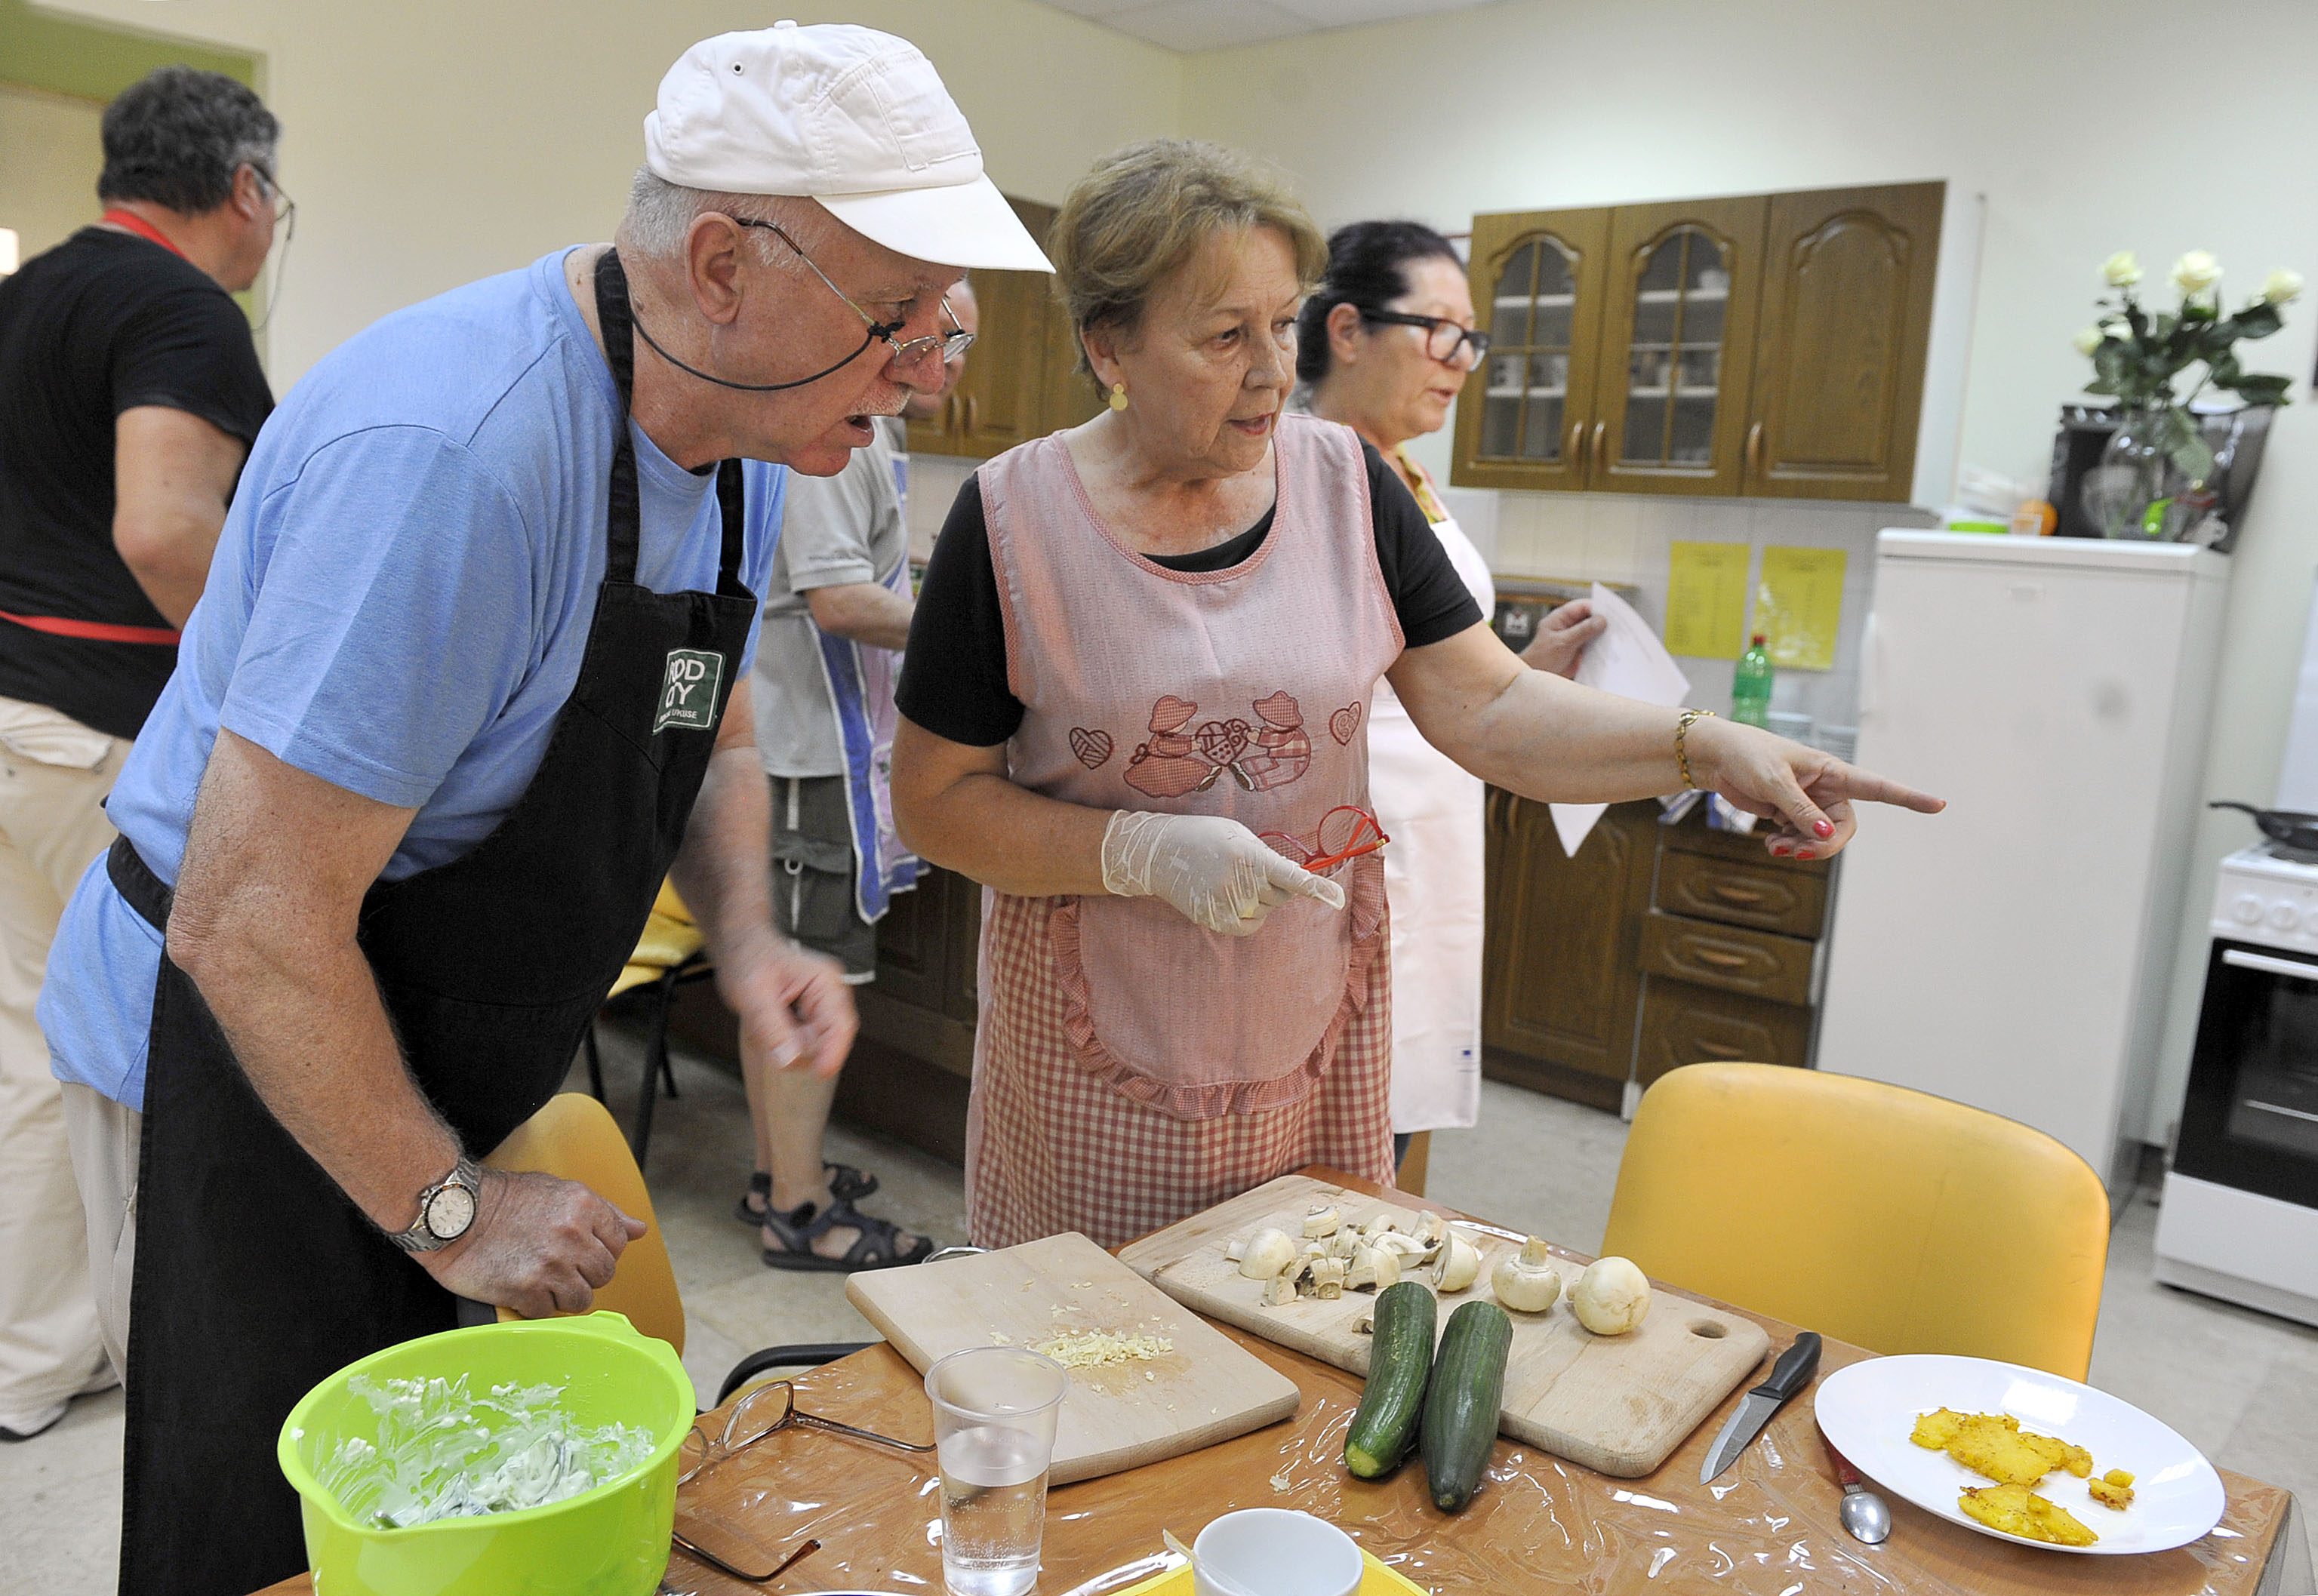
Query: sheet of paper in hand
(1627,660)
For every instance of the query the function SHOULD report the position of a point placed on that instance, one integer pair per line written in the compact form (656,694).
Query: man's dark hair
(177,137)
(1366,262)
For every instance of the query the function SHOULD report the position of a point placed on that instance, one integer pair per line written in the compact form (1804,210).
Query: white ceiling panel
(1192,25)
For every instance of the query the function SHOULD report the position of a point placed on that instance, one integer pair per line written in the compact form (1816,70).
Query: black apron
(256,1278)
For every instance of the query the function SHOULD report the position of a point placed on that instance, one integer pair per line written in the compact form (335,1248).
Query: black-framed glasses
(1444,340)
(952,344)
(771,1408)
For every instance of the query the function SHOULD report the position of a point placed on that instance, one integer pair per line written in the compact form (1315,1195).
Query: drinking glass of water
(994,1414)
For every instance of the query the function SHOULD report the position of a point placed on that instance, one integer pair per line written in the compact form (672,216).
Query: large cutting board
(1117,1416)
(1617,1404)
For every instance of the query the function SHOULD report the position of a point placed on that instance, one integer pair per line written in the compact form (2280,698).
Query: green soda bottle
(1750,686)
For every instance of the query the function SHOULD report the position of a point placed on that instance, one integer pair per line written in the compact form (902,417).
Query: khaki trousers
(54,775)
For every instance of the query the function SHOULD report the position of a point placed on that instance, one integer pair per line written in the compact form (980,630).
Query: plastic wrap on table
(1768,1527)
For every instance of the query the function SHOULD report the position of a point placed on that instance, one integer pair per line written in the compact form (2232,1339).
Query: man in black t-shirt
(130,394)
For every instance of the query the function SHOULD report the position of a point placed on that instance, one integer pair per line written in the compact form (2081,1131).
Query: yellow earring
(1118,396)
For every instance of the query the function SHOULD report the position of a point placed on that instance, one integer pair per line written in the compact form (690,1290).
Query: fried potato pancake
(2112,1490)
(2016,1510)
(1994,1445)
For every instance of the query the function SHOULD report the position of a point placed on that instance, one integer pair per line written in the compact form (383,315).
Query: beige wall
(49,156)
(2051,109)
(430,142)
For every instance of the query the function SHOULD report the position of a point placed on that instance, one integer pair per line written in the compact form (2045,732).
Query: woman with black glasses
(1383,347)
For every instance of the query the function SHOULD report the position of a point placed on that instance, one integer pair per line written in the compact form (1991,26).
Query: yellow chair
(1889,1218)
(575,1138)
(670,953)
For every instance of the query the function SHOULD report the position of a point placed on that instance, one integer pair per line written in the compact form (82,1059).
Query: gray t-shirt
(835,531)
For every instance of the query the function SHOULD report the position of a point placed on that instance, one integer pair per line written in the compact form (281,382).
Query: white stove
(2240,1209)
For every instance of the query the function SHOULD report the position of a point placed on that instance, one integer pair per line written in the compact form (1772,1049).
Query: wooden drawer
(1683,1024)
(1730,958)
(1692,835)
(1713,888)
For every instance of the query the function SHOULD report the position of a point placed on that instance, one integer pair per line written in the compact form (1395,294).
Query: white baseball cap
(856,119)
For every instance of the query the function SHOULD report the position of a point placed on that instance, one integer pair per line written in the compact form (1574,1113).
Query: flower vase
(2135,491)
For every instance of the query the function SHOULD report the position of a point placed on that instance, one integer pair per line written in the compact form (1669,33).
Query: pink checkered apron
(1130,1068)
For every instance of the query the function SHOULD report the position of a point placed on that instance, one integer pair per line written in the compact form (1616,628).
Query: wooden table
(1766,1526)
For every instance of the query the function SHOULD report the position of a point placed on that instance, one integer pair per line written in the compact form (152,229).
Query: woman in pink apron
(1383,347)
(1135,705)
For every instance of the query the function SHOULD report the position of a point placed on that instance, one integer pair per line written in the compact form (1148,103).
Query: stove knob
(2246,910)
(2285,917)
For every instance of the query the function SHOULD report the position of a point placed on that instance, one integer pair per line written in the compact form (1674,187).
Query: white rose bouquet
(2137,354)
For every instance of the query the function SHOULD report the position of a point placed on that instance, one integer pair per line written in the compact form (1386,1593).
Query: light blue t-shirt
(398,604)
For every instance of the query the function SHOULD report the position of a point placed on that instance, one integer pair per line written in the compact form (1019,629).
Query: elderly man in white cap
(469,679)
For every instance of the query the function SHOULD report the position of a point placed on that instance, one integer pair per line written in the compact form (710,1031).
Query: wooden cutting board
(1117,1416)
(1617,1404)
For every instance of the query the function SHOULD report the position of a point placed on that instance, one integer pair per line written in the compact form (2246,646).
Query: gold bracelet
(1680,751)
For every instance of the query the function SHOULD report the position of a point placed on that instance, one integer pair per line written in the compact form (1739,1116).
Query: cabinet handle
(1732,893)
(1754,451)
(1575,454)
(1601,430)
(950,414)
(1721,1050)
(971,417)
(1719,959)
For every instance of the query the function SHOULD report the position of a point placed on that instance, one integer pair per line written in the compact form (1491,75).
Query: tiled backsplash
(1628,537)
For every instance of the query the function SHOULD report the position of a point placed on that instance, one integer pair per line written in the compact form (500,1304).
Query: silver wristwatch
(446,1210)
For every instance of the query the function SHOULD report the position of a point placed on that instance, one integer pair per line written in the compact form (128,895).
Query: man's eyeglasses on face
(285,209)
(1444,340)
(905,352)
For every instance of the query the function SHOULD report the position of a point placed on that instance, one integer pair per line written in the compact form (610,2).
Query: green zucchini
(1393,1401)
(1461,1410)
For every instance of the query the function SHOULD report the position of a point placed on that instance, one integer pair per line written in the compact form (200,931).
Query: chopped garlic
(1282,1482)
(1089,1349)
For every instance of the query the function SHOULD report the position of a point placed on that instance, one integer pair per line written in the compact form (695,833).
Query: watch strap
(420,1238)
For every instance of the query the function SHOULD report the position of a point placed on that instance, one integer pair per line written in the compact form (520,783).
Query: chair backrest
(1889,1218)
(576,1138)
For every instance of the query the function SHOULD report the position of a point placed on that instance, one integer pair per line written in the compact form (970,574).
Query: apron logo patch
(688,693)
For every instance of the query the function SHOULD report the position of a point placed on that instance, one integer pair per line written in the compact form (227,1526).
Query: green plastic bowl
(610,1541)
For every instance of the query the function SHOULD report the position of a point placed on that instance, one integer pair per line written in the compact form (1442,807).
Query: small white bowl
(1272,1551)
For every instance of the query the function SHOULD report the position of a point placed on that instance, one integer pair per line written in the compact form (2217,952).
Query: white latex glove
(1222,875)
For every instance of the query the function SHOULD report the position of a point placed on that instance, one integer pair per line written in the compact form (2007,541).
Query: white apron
(1430,808)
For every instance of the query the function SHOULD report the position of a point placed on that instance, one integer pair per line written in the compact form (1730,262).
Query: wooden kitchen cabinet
(1560,975)
(1768,345)
(1657,946)
(1841,342)
(1018,384)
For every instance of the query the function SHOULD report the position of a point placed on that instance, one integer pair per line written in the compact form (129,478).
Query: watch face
(450,1211)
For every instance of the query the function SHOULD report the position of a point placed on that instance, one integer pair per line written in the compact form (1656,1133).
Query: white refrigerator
(2014,952)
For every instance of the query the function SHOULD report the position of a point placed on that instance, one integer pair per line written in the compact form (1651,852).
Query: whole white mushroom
(1612,1296)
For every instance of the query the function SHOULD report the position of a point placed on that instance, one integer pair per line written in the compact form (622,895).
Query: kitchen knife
(1791,1374)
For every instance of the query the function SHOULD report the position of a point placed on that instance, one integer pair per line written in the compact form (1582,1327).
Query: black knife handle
(1794,1369)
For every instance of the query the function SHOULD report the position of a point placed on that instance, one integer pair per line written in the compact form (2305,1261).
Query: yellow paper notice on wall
(1706,600)
(1799,605)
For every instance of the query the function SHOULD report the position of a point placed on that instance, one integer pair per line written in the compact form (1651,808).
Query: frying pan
(2287,828)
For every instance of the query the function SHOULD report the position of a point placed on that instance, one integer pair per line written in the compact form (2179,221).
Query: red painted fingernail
(1825,827)
(1802,853)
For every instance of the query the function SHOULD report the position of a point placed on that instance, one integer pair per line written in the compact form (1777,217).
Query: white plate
(1868,1408)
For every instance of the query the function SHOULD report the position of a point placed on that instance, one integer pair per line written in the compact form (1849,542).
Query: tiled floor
(2243,1387)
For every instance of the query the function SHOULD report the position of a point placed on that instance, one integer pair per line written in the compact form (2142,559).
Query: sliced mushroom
(1267,1252)
(1279,1292)
(1459,1264)
(1322,1221)
(1328,1279)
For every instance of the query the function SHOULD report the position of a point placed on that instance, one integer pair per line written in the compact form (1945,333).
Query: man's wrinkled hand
(539,1245)
(793,1004)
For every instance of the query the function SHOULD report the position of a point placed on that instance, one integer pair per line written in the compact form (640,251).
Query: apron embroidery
(1093,749)
(1171,765)
(1345,724)
(688,692)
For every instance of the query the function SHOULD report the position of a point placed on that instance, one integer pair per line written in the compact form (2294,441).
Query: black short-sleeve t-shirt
(102,323)
(954,677)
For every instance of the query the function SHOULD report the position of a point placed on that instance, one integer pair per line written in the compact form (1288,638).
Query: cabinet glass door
(1535,279)
(1686,299)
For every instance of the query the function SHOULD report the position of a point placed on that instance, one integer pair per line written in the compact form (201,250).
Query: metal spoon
(1866,1515)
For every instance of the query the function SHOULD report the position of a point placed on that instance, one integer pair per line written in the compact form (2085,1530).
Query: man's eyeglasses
(769,1408)
(285,217)
(952,344)
(1444,340)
